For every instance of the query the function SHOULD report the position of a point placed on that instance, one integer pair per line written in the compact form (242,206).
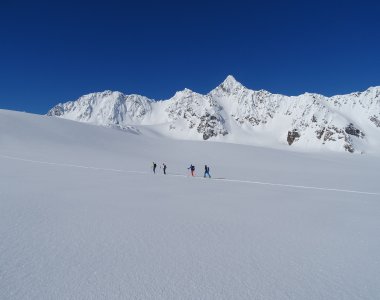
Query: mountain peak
(229,85)
(185,92)
(230,80)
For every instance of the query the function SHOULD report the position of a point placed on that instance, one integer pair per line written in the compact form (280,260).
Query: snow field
(76,223)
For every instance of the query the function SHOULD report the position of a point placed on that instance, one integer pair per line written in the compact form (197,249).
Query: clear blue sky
(54,52)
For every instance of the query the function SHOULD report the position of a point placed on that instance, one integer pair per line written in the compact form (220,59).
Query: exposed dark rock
(87,114)
(352,130)
(56,111)
(375,120)
(250,119)
(329,135)
(349,148)
(209,126)
(293,136)
(332,133)
(320,133)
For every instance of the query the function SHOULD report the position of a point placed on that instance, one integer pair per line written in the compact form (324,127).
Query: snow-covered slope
(234,113)
(83,217)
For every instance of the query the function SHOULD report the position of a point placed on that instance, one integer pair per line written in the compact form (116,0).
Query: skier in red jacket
(192,169)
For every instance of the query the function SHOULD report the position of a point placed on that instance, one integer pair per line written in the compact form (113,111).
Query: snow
(83,217)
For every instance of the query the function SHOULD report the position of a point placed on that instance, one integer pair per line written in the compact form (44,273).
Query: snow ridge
(233,113)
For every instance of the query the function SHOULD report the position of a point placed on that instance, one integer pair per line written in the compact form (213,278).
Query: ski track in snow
(197,177)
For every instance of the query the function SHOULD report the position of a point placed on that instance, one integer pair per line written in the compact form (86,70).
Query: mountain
(233,113)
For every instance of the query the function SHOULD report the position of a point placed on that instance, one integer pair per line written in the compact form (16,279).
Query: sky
(53,52)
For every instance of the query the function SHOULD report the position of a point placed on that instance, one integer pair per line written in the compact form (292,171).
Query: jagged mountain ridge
(233,113)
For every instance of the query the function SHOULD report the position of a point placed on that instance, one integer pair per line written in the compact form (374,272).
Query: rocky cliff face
(234,113)
(200,112)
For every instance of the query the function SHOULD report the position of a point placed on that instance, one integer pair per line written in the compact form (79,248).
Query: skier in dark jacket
(192,169)
(154,167)
(164,168)
(207,172)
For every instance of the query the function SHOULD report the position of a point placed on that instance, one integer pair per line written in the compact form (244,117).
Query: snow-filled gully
(185,176)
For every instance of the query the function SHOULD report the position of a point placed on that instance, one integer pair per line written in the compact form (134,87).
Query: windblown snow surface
(83,217)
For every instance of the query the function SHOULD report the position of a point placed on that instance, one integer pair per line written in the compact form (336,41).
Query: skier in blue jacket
(207,172)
